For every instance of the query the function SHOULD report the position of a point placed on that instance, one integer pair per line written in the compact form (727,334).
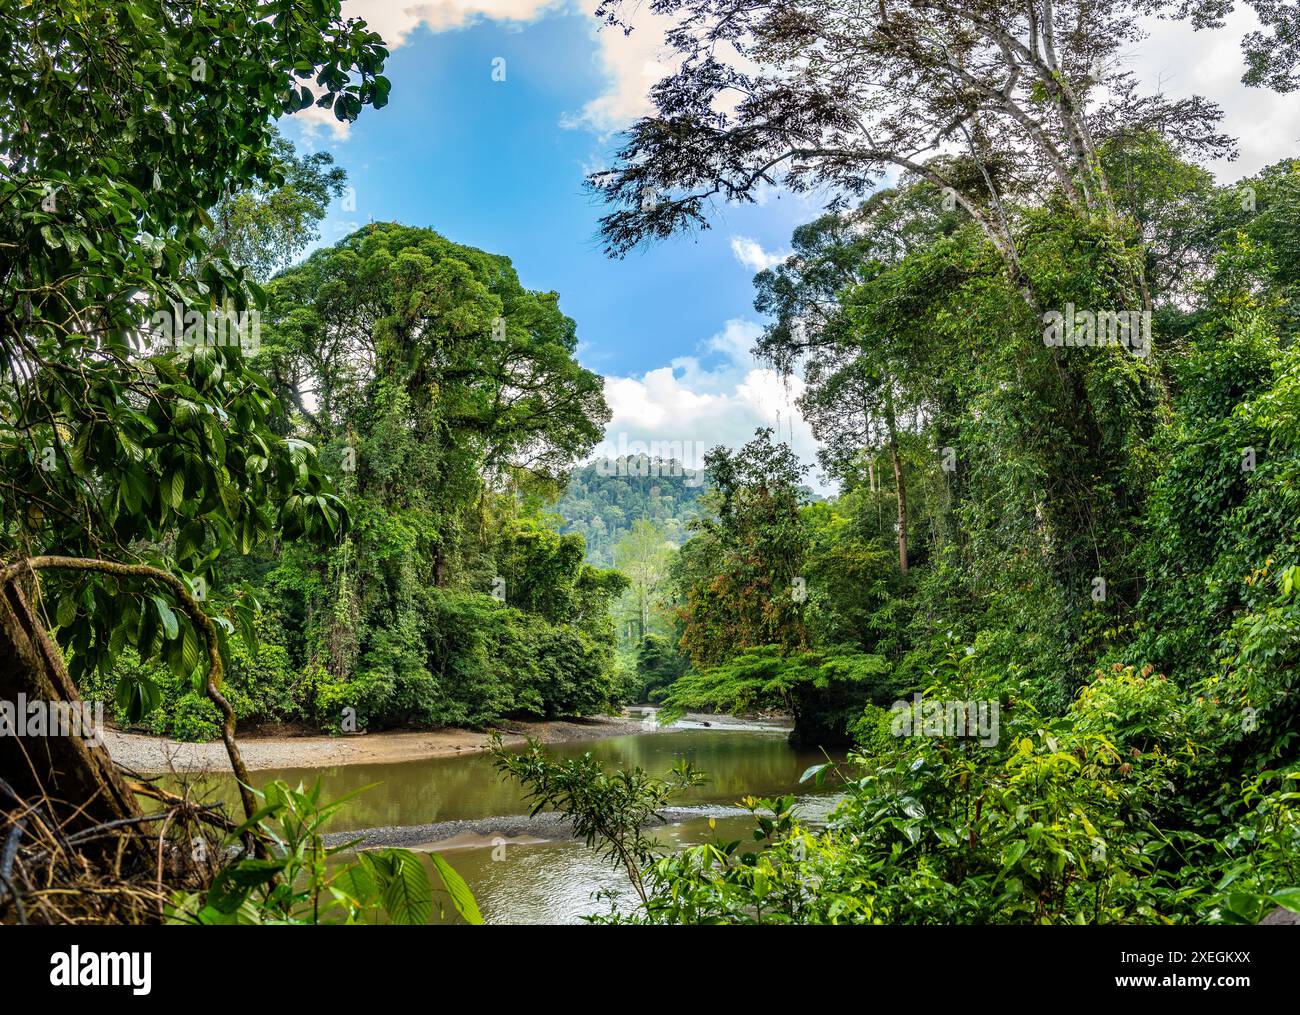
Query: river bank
(149,754)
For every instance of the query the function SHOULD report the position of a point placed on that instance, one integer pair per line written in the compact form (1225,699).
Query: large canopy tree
(397,338)
(740,577)
(489,363)
(439,385)
(833,95)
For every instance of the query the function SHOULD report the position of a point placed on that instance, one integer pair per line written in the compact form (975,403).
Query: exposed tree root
(75,845)
(48,877)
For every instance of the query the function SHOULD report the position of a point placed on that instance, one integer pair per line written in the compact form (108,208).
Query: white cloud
(751,254)
(395,21)
(314,121)
(696,407)
(1180,62)
(632,64)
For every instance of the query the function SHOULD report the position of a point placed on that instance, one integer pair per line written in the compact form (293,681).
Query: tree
(643,556)
(985,100)
(133,469)
(657,666)
(265,227)
(449,396)
(740,579)
(445,335)
(854,397)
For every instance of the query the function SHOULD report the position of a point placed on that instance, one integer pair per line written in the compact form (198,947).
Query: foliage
(450,599)
(448,401)
(739,579)
(608,809)
(116,445)
(304,883)
(1067,819)
(1099,542)
(822,691)
(266,227)
(657,666)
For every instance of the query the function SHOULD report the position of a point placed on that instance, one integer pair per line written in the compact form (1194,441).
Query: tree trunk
(899,483)
(902,509)
(72,777)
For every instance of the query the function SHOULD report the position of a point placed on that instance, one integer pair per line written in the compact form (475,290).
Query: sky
(499,109)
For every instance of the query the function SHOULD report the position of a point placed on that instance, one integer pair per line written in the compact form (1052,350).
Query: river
(521,873)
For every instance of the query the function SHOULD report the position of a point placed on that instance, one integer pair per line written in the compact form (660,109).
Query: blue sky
(487,163)
(500,165)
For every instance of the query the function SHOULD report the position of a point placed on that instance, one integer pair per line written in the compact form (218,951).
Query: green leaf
(1012,852)
(408,896)
(189,650)
(912,807)
(814,770)
(66,612)
(170,627)
(461,896)
(174,489)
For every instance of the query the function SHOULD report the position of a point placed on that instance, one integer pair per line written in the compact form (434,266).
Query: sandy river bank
(149,754)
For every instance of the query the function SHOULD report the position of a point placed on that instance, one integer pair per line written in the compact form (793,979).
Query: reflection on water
(523,880)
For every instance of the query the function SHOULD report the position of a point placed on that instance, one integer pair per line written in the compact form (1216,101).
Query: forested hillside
(603,500)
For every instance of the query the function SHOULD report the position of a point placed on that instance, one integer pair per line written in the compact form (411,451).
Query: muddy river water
(524,871)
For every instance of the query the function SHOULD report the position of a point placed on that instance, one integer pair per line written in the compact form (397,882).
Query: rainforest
(347,576)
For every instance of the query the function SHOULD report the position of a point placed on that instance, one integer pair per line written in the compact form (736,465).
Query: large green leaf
(407,894)
(170,626)
(461,896)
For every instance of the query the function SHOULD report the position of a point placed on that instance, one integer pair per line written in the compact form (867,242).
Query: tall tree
(741,578)
(433,366)
(643,555)
(855,395)
(440,386)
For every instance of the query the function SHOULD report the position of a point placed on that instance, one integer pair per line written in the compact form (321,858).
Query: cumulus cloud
(698,402)
(632,64)
(395,21)
(751,254)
